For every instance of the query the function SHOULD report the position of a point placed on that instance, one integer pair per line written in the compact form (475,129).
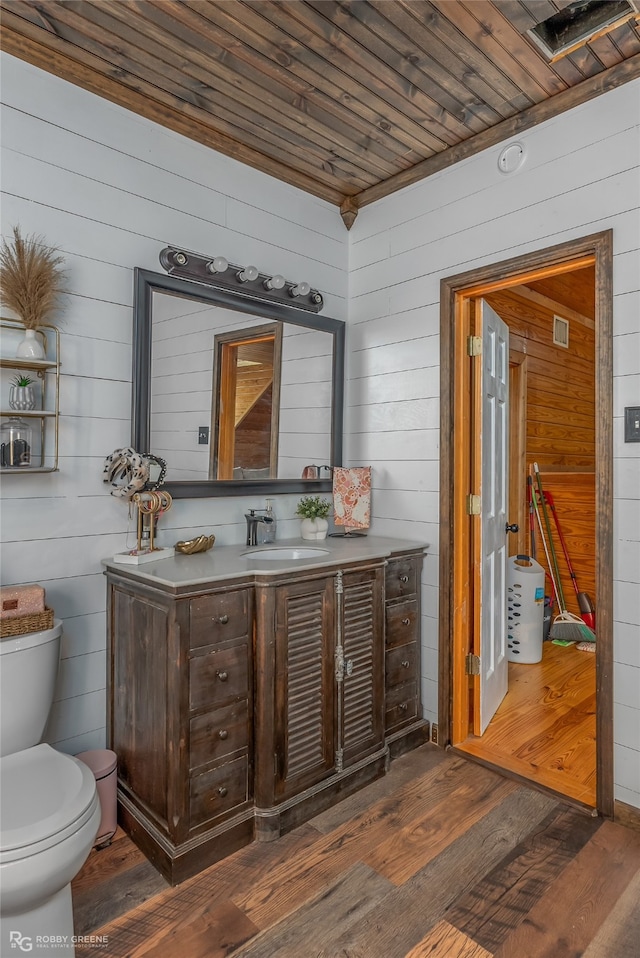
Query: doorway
(458,604)
(245,410)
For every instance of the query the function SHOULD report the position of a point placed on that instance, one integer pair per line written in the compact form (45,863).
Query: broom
(566,626)
(587,612)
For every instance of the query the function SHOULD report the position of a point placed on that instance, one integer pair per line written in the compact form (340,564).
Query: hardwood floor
(545,729)
(442,857)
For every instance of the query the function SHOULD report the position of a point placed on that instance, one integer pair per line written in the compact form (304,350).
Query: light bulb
(218,265)
(316,298)
(301,289)
(276,282)
(248,274)
(180,259)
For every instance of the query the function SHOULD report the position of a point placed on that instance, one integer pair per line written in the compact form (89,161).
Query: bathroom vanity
(245,695)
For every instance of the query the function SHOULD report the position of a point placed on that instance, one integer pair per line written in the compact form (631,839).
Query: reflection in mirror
(229,401)
(246,403)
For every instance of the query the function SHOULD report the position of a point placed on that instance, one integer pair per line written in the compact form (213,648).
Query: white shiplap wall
(111,190)
(581,175)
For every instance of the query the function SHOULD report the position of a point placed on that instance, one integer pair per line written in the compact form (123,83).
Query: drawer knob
(403,707)
(223,734)
(223,676)
(223,619)
(222,791)
(406,621)
(405,663)
(404,578)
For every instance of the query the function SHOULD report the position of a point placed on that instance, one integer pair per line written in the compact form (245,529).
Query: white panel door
(492,685)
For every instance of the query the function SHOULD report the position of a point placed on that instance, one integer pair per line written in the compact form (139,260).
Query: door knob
(514,527)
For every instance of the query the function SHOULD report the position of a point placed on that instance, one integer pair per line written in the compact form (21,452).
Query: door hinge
(474,345)
(473,505)
(472,664)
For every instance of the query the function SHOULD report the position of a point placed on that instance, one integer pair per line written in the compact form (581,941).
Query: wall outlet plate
(632,424)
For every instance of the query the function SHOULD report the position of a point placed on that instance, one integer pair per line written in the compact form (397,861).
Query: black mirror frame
(145,283)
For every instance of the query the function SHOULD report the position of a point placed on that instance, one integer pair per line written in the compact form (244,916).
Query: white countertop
(228,562)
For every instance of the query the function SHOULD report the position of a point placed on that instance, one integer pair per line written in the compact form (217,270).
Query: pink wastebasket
(102,763)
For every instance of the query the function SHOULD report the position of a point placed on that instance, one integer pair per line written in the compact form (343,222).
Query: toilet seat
(45,797)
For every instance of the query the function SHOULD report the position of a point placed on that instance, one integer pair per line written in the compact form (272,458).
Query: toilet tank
(28,670)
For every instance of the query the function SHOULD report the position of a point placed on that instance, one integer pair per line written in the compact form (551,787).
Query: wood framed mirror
(194,347)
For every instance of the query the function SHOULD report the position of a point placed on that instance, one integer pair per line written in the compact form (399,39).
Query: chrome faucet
(252,526)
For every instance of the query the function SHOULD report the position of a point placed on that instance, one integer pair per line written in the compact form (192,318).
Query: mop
(566,626)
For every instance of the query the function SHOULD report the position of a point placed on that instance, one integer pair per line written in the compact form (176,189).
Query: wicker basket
(22,624)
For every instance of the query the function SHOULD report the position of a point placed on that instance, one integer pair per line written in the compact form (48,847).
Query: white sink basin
(287,553)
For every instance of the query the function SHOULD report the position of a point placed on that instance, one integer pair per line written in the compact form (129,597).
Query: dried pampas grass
(30,278)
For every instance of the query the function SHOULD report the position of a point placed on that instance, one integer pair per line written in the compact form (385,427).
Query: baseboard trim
(627,815)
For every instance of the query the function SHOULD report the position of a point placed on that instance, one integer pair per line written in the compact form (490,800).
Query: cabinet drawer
(218,790)
(401,578)
(218,733)
(401,705)
(218,676)
(401,623)
(400,665)
(215,618)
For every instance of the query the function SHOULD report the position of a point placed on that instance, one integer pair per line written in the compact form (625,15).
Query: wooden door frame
(221,451)
(455,612)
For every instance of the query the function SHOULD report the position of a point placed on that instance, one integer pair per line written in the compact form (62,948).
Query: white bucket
(525,609)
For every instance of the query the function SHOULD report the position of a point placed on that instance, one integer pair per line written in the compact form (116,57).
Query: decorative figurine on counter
(137,478)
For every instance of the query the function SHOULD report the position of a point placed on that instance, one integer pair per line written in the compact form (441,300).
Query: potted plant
(313,511)
(31,281)
(21,394)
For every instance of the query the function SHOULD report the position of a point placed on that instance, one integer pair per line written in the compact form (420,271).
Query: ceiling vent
(580,22)
(560,332)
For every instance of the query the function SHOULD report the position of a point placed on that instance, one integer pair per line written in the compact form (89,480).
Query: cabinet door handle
(222,791)
(223,676)
(223,734)
(404,578)
(406,621)
(223,619)
(405,663)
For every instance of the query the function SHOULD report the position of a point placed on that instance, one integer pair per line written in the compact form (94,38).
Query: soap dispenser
(268,529)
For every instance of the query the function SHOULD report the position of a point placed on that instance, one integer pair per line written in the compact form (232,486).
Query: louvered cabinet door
(361,685)
(305,707)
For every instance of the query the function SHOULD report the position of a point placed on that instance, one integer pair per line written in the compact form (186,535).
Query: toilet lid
(44,795)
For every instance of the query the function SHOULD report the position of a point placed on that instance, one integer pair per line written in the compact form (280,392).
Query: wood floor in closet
(443,857)
(545,728)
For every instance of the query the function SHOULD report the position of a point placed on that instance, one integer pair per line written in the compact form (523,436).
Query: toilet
(49,806)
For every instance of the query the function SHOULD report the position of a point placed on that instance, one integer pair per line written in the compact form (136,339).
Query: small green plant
(22,381)
(313,507)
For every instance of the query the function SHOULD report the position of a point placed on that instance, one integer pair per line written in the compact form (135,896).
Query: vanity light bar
(217,271)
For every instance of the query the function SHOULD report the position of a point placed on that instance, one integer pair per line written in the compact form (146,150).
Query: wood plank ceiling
(348,100)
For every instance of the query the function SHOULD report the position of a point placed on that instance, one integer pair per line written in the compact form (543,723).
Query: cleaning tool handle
(544,546)
(549,500)
(587,610)
(556,568)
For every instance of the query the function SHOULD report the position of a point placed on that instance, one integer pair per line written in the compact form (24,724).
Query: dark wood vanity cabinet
(319,694)
(240,708)
(402,649)
(180,719)
(220,697)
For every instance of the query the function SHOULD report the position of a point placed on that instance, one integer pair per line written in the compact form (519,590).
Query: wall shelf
(44,454)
